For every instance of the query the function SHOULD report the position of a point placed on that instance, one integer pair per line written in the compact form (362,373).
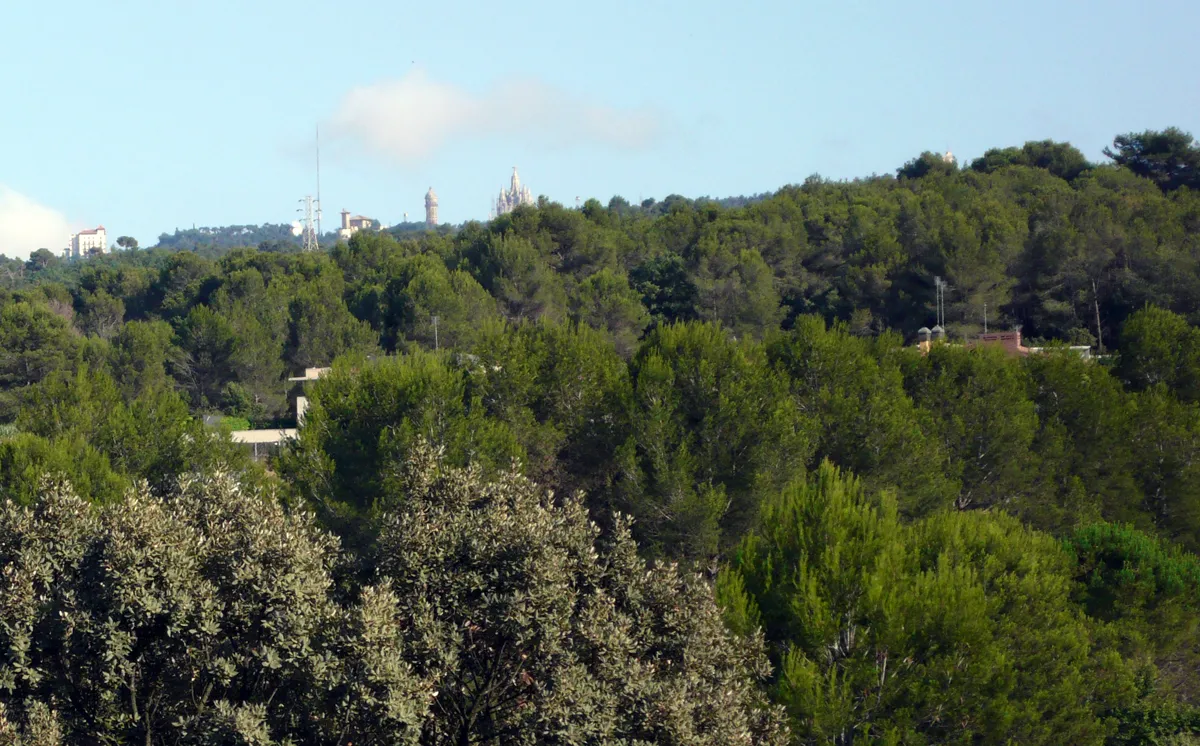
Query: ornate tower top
(513,197)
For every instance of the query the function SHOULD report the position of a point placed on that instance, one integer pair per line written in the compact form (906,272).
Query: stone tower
(431,218)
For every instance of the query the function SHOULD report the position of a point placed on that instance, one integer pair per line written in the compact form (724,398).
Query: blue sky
(147,115)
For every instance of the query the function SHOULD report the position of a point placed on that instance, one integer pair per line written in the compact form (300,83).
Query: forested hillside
(213,242)
(548,443)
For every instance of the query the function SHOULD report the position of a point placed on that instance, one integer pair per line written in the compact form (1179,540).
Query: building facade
(88,242)
(354,224)
(1009,342)
(513,197)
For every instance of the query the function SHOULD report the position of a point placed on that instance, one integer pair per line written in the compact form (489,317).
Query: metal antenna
(318,233)
(309,225)
(940,287)
(937,300)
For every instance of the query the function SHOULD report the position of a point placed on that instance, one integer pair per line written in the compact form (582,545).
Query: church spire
(513,197)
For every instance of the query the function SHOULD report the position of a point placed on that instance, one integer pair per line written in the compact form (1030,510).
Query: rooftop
(310,374)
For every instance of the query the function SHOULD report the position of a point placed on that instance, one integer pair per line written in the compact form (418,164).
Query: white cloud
(26,226)
(411,118)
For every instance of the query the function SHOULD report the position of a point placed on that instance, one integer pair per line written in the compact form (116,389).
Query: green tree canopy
(925,164)
(1059,158)
(713,426)
(363,419)
(606,301)
(537,629)
(1161,347)
(213,612)
(500,615)
(1170,157)
(868,423)
(958,628)
(34,342)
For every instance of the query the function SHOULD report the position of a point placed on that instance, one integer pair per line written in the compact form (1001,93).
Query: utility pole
(309,229)
(435,334)
(985,318)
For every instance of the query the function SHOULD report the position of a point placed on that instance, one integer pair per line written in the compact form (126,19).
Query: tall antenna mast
(937,300)
(940,287)
(318,186)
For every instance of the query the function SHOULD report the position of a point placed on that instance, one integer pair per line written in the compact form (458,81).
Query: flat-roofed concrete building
(263,442)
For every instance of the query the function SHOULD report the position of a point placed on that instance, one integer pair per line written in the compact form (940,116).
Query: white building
(84,243)
(513,197)
(310,374)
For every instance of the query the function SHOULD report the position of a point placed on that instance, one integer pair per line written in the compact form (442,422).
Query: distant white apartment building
(87,242)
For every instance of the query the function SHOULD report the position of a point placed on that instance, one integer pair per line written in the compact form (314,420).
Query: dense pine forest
(669,472)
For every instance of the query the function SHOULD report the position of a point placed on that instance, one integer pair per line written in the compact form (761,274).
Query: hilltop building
(1009,342)
(513,197)
(431,204)
(85,243)
(352,225)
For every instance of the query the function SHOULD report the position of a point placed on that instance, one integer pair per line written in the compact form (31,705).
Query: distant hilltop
(282,236)
(268,236)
